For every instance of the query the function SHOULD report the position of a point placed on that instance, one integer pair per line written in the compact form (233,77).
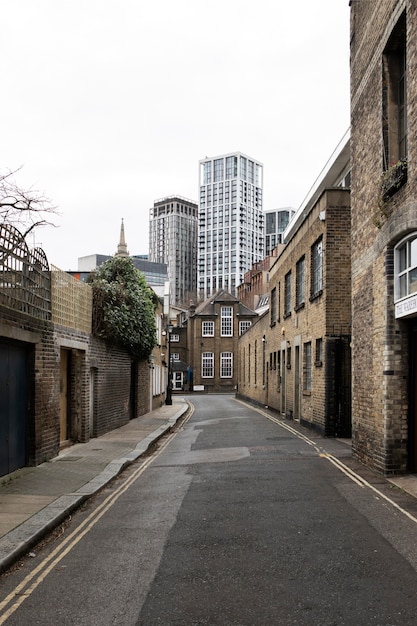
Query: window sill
(316,295)
(393,179)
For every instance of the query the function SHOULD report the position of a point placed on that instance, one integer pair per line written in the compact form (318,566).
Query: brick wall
(278,379)
(380,353)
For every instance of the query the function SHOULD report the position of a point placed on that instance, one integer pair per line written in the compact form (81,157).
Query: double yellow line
(354,477)
(20,593)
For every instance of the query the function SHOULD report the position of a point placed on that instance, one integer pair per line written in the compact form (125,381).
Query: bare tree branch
(24,209)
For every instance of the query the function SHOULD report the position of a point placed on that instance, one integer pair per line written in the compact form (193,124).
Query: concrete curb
(19,541)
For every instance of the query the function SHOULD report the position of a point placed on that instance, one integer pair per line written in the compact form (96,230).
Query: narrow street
(239,519)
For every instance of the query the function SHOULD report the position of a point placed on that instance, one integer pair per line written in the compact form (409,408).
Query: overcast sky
(109,105)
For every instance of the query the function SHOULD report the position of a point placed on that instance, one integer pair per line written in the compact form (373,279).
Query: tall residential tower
(276,221)
(231,221)
(173,227)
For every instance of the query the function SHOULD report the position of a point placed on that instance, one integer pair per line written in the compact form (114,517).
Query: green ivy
(124,307)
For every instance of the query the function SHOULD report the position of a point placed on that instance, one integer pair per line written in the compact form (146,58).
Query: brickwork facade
(60,384)
(210,344)
(296,358)
(383,52)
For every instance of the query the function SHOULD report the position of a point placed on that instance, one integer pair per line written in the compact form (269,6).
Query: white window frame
(174,338)
(207,365)
(244,325)
(207,328)
(405,269)
(226,313)
(226,364)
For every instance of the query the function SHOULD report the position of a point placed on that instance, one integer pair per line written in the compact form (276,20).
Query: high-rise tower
(173,227)
(231,221)
(276,221)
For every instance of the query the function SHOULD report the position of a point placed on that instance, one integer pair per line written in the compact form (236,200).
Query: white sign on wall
(406,307)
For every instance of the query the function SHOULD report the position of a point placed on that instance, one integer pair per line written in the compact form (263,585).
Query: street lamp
(168,398)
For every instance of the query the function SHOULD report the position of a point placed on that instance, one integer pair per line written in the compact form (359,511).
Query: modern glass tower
(173,228)
(276,221)
(231,221)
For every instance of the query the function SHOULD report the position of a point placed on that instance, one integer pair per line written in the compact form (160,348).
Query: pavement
(34,500)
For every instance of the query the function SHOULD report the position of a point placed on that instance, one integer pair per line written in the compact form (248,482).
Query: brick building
(296,357)
(256,281)
(384,233)
(206,343)
(59,383)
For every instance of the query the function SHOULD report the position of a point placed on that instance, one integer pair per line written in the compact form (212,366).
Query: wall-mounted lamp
(263,339)
(283,330)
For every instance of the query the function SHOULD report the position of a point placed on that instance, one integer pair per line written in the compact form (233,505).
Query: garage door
(14,407)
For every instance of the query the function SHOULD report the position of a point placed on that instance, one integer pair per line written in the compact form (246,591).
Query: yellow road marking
(47,565)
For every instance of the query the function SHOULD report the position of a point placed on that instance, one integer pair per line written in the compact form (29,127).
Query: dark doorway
(133,400)
(338,418)
(412,415)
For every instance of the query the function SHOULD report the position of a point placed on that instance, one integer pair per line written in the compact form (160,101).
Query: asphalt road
(238,520)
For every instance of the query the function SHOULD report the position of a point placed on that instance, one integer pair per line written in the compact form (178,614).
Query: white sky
(109,104)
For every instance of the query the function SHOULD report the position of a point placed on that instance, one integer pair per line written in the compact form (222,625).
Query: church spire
(122,247)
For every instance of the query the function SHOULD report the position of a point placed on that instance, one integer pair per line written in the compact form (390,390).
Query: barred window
(226,365)
(273,312)
(287,302)
(317,268)
(299,287)
(207,364)
(226,321)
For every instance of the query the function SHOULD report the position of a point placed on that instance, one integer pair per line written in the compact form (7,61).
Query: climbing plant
(124,307)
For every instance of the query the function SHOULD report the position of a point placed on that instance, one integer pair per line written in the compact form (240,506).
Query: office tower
(276,221)
(173,228)
(231,221)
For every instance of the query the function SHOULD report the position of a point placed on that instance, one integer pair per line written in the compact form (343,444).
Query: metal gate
(14,406)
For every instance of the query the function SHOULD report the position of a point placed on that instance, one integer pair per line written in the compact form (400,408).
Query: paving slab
(33,500)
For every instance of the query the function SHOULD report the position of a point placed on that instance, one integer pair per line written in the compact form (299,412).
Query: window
(226,321)
(226,365)
(319,353)
(299,286)
(231,167)
(175,356)
(207,365)
(307,366)
(287,301)
(244,325)
(174,338)
(394,106)
(273,306)
(218,170)
(207,329)
(317,268)
(405,268)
